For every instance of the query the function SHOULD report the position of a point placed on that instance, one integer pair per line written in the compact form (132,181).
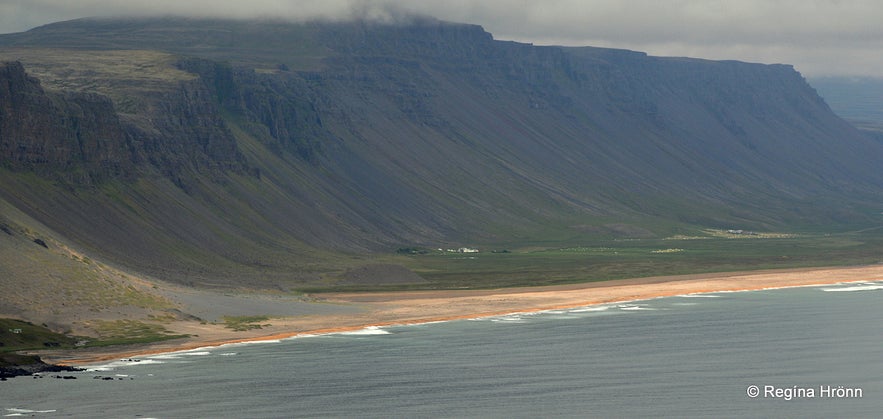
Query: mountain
(257,152)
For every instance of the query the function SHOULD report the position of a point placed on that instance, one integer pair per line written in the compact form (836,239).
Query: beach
(343,312)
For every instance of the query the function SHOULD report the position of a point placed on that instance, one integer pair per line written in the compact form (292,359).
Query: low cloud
(819,37)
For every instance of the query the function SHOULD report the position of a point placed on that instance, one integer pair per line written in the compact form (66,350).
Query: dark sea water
(806,350)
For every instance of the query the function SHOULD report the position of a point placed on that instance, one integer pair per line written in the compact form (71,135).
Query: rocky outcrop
(14,365)
(280,109)
(183,134)
(76,136)
(80,137)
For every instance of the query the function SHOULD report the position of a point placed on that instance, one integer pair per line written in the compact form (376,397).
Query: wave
(195,353)
(513,318)
(861,287)
(177,355)
(124,363)
(173,355)
(590,309)
(252,342)
(368,331)
(699,296)
(632,307)
(15,411)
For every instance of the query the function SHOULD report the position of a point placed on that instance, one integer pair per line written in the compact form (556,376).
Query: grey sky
(820,37)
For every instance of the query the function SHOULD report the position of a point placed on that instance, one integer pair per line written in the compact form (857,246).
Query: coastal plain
(342,312)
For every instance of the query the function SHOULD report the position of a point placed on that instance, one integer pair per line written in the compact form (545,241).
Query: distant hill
(243,152)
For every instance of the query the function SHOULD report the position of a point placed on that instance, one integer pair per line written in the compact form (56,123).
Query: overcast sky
(819,37)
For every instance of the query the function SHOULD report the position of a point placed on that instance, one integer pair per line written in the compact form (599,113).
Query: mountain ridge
(253,149)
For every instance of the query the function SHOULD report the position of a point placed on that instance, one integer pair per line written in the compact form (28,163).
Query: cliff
(236,151)
(77,136)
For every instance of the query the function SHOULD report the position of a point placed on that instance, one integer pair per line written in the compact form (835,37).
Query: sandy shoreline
(413,307)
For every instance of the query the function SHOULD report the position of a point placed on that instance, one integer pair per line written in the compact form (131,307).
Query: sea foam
(590,309)
(123,363)
(14,411)
(368,331)
(861,287)
(633,307)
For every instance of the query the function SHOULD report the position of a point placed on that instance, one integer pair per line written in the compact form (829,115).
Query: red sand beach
(409,307)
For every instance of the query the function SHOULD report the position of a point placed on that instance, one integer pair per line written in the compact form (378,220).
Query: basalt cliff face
(223,150)
(62,133)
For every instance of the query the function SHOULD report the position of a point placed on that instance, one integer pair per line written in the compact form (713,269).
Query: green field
(708,251)
(17,335)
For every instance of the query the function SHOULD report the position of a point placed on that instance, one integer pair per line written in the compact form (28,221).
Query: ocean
(797,352)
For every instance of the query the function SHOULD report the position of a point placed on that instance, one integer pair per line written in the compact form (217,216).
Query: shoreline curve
(384,309)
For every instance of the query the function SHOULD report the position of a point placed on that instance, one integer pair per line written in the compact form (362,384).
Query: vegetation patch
(412,251)
(594,250)
(606,259)
(745,234)
(17,335)
(686,237)
(667,251)
(244,323)
(118,332)
(14,360)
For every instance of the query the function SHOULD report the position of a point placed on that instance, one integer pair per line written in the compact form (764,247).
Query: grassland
(17,335)
(119,332)
(243,323)
(703,252)
(110,73)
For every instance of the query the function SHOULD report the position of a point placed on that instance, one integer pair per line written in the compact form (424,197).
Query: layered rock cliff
(79,134)
(231,149)
(74,135)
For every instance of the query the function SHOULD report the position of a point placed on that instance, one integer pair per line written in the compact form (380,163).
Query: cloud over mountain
(818,37)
